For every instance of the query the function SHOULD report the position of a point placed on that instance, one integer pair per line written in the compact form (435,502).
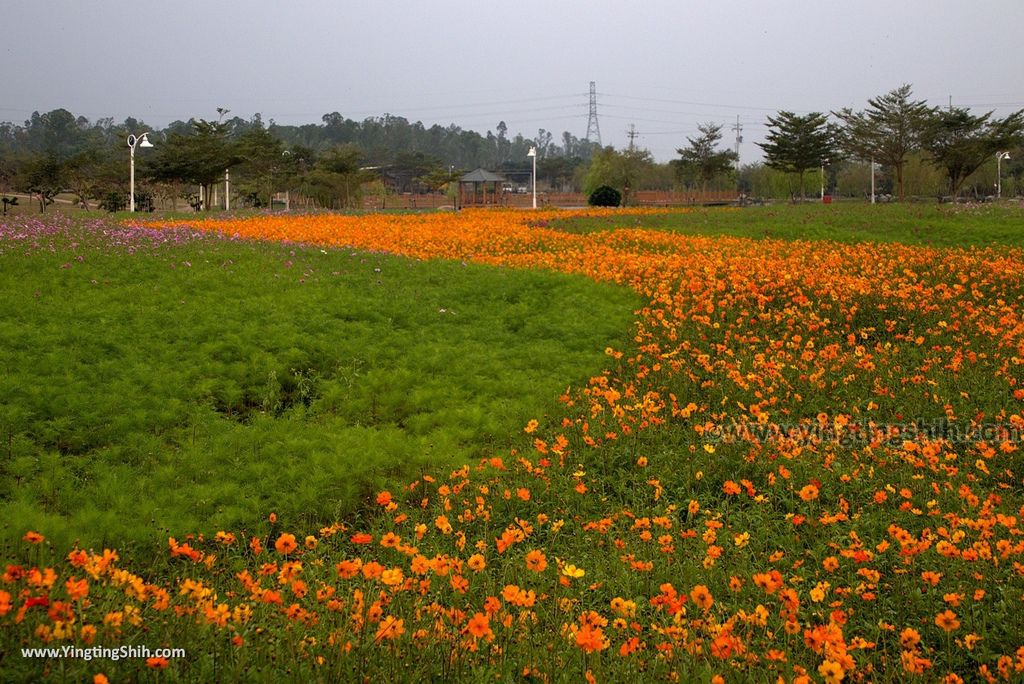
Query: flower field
(806,465)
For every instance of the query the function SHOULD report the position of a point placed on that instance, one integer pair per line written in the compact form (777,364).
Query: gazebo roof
(482,176)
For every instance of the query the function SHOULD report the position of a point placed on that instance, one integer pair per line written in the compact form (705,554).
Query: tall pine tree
(887,131)
(797,143)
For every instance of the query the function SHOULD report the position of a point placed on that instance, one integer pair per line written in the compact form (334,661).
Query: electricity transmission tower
(631,132)
(593,129)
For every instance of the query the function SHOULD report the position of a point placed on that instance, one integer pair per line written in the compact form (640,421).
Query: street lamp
(823,162)
(1000,156)
(133,142)
(533,153)
(872,180)
(288,192)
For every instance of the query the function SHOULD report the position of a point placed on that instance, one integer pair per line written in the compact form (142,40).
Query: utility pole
(631,132)
(739,138)
(593,129)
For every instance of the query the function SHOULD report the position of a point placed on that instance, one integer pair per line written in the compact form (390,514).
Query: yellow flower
(572,571)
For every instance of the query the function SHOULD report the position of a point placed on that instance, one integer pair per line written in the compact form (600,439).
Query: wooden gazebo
(480,188)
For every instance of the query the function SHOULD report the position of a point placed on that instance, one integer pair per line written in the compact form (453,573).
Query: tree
(336,179)
(887,131)
(958,142)
(620,170)
(543,143)
(797,143)
(439,178)
(262,159)
(81,175)
(198,158)
(702,160)
(43,178)
(406,167)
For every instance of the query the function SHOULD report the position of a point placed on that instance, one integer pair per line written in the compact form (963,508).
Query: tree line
(893,132)
(891,129)
(329,163)
(332,163)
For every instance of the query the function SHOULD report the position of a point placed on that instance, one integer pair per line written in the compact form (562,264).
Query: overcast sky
(664,66)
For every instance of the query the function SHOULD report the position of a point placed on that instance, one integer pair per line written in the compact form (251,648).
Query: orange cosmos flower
(348,569)
(492,605)
(5,602)
(910,638)
(769,581)
(702,597)
(256,545)
(536,560)
(157,663)
(831,672)
(77,589)
(809,493)
(947,620)
(225,538)
(384,498)
(479,625)
(33,537)
(591,639)
(286,543)
(476,562)
(390,629)
(392,577)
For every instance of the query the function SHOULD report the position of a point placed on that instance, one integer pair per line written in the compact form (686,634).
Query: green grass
(203,385)
(916,224)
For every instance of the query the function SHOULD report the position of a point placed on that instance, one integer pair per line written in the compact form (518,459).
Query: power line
(694,104)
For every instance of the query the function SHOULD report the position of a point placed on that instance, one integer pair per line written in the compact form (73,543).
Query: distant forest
(895,147)
(57,152)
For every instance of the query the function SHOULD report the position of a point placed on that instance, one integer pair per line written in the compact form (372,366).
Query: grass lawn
(150,390)
(942,225)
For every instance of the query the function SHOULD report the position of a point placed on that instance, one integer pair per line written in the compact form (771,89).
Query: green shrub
(605,196)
